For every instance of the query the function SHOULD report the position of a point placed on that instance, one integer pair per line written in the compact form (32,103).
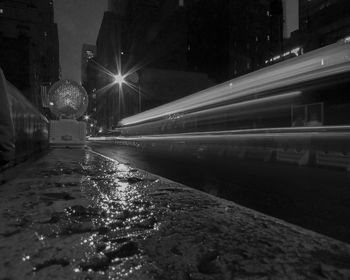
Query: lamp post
(135,78)
(119,79)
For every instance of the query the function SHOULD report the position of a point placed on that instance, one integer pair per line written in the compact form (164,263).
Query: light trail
(257,132)
(318,64)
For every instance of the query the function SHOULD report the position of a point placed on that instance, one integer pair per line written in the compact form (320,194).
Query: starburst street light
(119,79)
(129,78)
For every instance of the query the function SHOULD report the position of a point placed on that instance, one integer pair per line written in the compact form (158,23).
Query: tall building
(291,17)
(222,39)
(88,52)
(88,80)
(140,34)
(29,46)
(228,38)
(323,22)
(152,32)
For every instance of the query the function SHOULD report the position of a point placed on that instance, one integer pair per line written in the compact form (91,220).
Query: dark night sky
(78,23)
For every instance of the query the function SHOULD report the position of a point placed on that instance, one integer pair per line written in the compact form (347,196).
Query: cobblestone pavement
(76,215)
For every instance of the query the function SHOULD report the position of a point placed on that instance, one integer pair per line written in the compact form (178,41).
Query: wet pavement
(74,214)
(314,198)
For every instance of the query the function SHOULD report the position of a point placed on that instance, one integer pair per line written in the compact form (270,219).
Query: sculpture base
(67,133)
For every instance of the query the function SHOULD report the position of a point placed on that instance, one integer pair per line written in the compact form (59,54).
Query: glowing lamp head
(119,79)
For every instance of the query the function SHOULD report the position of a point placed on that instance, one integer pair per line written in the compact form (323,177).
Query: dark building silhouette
(88,52)
(230,38)
(222,39)
(256,31)
(321,22)
(29,47)
(88,80)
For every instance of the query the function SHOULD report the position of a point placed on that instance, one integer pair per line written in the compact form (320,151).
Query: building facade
(218,40)
(88,52)
(323,22)
(225,38)
(29,47)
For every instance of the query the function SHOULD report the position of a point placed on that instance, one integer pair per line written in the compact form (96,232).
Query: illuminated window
(89,54)
(1,11)
(181,3)
(268,13)
(268,37)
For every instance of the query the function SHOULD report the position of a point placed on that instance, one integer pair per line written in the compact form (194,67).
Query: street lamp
(119,79)
(135,79)
(130,79)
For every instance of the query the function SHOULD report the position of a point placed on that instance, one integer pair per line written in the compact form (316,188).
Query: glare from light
(86,117)
(119,79)
(347,39)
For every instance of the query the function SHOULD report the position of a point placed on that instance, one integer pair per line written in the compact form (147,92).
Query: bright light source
(119,79)
(86,117)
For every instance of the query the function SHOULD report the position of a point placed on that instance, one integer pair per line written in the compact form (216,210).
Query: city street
(73,214)
(314,198)
(175,140)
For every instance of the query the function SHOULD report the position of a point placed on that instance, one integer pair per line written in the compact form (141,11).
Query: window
(181,3)
(1,11)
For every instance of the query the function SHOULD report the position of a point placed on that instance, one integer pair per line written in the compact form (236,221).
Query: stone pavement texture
(74,214)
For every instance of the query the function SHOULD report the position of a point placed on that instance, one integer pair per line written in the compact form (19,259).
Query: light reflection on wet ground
(125,217)
(95,206)
(311,197)
(75,215)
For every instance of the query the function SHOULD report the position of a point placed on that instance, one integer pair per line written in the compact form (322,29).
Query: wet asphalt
(312,197)
(74,214)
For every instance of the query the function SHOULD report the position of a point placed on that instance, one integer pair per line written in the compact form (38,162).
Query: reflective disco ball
(67,99)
